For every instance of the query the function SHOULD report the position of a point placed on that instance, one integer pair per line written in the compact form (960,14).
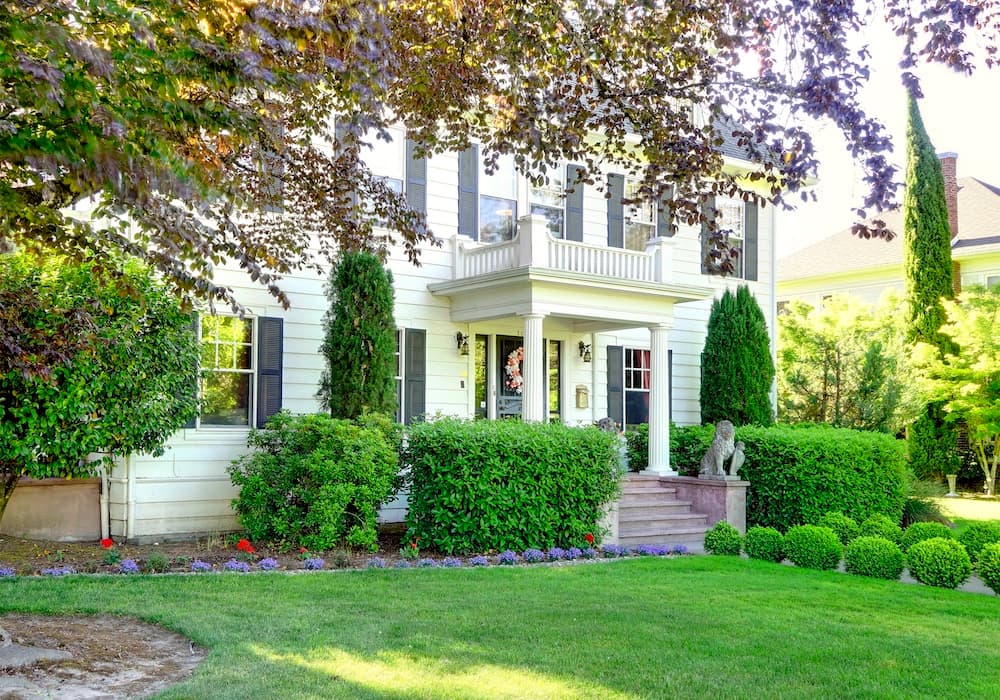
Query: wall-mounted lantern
(584,351)
(462,340)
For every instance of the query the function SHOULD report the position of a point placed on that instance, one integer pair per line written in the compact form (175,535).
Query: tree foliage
(737,368)
(843,363)
(120,362)
(968,380)
(199,131)
(359,342)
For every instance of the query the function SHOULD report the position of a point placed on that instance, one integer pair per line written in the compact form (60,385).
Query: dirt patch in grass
(110,657)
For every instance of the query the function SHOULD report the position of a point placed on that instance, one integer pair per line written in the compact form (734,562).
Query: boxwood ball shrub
(939,561)
(845,527)
(874,556)
(764,543)
(477,486)
(977,536)
(880,525)
(988,566)
(723,538)
(813,547)
(315,481)
(918,532)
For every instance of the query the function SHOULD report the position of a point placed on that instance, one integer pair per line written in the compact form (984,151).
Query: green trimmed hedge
(764,543)
(477,486)
(918,532)
(723,538)
(880,525)
(977,536)
(988,566)
(874,556)
(844,526)
(813,547)
(687,445)
(939,561)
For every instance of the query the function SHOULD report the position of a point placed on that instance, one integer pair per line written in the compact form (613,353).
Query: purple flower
(588,553)
(679,549)
(59,571)
(612,551)
(402,564)
(451,562)
(533,555)
(200,566)
(557,553)
(268,564)
(573,553)
(313,563)
(427,563)
(234,565)
(479,561)
(376,563)
(652,550)
(7,572)
(507,558)
(128,566)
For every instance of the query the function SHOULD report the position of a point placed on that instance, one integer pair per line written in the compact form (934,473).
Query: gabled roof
(843,252)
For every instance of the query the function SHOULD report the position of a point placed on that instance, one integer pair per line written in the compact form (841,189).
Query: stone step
(666,524)
(691,537)
(647,496)
(644,482)
(637,511)
(629,487)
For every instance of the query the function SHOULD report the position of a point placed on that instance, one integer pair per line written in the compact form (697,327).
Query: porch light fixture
(462,339)
(584,351)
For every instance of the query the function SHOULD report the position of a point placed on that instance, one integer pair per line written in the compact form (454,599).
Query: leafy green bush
(314,481)
(764,543)
(988,566)
(920,505)
(874,556)
(917,532)
(845,527)
(939,561)
(687,445)
(977,536)
(637,447)
(500,485)
(813,547)
(883,526)
(723,538)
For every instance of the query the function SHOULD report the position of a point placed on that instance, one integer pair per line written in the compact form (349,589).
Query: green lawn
(709,627)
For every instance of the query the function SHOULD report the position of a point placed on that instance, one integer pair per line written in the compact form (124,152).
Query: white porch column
(533,396)
(659,403)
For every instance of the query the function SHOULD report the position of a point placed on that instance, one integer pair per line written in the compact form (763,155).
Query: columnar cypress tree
(736,365)
(360,339)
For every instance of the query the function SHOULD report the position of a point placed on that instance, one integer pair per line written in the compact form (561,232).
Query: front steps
(650,513)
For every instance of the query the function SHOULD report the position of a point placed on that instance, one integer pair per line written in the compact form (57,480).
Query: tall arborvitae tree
(360,339)
(928,271)
(737,367)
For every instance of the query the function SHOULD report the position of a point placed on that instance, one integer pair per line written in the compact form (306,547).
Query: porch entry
(506,366)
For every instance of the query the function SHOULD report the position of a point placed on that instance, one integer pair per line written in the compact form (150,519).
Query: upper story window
(732,214)
(227,371)
(738,219)
(640,217)
(497,201)
(387,159)
(549,200)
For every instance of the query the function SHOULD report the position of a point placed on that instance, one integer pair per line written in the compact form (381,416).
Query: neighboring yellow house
(844,263)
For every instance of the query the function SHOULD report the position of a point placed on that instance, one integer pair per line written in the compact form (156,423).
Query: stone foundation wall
(64,510)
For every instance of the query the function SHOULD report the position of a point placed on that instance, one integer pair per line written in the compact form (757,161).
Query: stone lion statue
(722,448)
(739,457)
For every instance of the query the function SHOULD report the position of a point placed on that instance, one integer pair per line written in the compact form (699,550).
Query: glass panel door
(510,382)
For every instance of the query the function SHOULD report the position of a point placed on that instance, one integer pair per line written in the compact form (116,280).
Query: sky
(961,114)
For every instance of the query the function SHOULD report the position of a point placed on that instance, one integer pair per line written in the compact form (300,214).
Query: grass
(696,627)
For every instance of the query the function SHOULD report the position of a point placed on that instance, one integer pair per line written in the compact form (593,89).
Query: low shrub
(637,447)
(813,547)
(498,485)
(883,526)
(723,538)
(315,482)
(764,543)
(977,536)
(917,532)
(988,566)
(939,561)
(845,527)
(874,556)
(157,563)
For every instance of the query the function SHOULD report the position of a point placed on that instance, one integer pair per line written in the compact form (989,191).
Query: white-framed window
(732,219)
(227,371)
(640,217)
(400,373)
(992,281)
(637,383)
(549,200)
(497,201)
(387,159)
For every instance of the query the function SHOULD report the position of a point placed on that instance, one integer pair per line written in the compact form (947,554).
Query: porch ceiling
(594,303)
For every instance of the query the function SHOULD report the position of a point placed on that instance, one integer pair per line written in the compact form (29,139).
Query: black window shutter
(574,204)
(663,214)
(269,350)
(616,384)
(616,212)
(416,180)
(195,322)
(415,374)
(709,212)
(750,242)
(468,192)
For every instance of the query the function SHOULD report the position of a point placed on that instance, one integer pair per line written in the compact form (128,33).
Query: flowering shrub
(533,556)
(376,563)
(427,563)
(556,553)
(268,564)
(588,553)
(128,566)
(244,546)
(410,551)
(573,553)
(451,562)
(652,550)
(313,563)
(479,561)
(200,566)
(613,551)
(7,572)
(59,571)
(679,549)
(107,543)
(507,558)
(234,565)
(402,564)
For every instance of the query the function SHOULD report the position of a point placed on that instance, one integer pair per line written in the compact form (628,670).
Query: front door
(510,381)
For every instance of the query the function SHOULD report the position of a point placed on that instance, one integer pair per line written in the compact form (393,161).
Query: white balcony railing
(533,246)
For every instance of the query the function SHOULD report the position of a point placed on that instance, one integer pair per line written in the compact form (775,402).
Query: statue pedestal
(720,497)
(718,477)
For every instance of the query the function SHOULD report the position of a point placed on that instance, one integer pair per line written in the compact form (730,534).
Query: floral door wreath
(514,381)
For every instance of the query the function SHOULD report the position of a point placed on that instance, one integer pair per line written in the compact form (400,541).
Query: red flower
(107,543)
(589,538)
(244,546)
(302,550)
